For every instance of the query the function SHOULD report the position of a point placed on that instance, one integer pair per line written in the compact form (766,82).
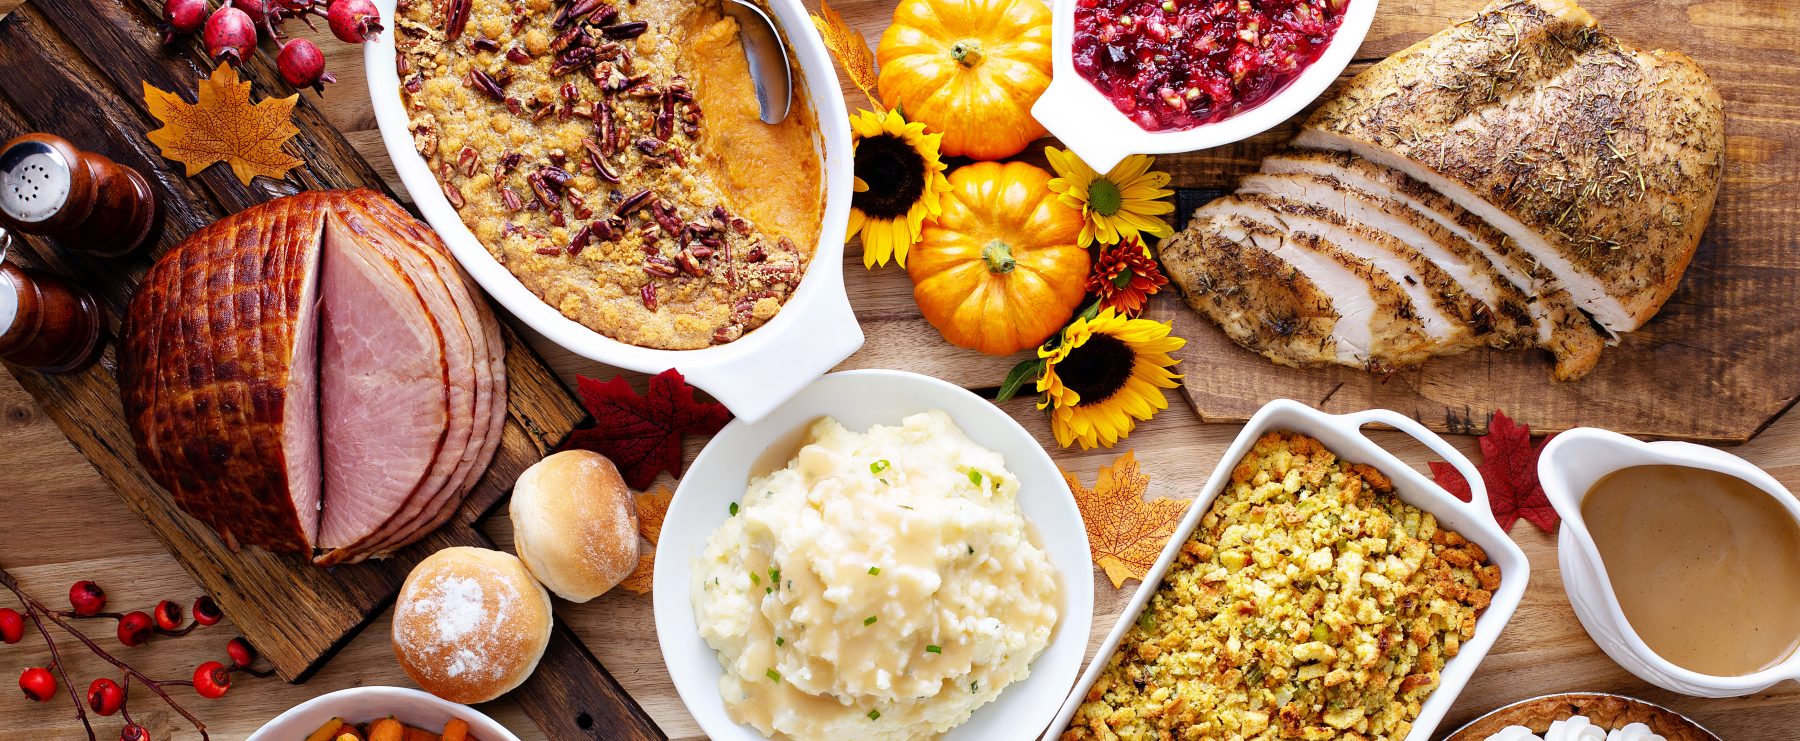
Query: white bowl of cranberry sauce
(1160,76)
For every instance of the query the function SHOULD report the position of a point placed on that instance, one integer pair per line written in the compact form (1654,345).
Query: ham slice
(314,373)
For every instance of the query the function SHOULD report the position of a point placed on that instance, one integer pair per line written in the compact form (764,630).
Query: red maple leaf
(1509,468)
(642,434)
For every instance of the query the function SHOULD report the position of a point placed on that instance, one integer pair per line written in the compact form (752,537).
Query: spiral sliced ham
(314,375)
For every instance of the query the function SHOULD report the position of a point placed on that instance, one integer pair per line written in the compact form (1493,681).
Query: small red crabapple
(212,680)
(105,696)
(38,684)
(87,598)
(135,628)
(12,625)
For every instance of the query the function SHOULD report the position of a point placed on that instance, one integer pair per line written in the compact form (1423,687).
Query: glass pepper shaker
(82,200)
(46,323)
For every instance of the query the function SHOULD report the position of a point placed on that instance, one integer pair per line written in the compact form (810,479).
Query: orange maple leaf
(1125,532)
(851,50)
(652,507)
(224,126)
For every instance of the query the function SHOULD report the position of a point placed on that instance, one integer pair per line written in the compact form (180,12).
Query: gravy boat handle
(1478,495)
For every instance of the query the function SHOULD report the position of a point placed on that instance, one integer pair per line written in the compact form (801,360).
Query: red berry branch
(106,696)
(230,33)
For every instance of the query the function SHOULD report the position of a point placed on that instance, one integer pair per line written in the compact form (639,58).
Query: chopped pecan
(580,241)
(690,264)
(572,60)
(630,30)
(648,293)
(660,267)
(483,43)
(482,81)
(467,161)
(665,118)
(556,176)
(557,218)
(517,55)
(634,202)
(455,195)
(756,253)
(597,159)
(579,203)
(425,139)
(545,194)
(415,83)
(548,251)
(456,17)
(567,39)
(511,198)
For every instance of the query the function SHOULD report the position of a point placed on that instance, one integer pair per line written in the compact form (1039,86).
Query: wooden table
(59,522)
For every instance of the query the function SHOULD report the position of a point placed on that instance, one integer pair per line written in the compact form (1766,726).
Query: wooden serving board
(1720,361)
(75,68)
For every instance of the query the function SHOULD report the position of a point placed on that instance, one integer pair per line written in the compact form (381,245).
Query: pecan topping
(648,292)
(572,60)
(690,264)
(665,119)
(556,176)
(580,204)
(511,198)
(548,251)
(660,267)
(517,55)
(545,194)
(415,83)
(580,241)
(452,193)
(483,43)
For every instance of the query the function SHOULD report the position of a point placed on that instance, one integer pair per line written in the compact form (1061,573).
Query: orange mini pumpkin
(970,69)
(999,271)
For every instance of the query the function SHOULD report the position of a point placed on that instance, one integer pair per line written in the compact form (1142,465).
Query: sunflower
(1123,202)
(1104,375)
(1124,277)
(898,178)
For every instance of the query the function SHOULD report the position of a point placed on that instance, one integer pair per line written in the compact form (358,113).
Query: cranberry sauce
(1177,64)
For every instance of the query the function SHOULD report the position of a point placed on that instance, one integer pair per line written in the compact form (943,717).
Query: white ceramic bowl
(1342,435)
(1088,123)
(362,704)
(813,332)
(1571,464)
(861,399)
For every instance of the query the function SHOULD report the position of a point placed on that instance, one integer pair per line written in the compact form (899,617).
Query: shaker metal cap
(34,181)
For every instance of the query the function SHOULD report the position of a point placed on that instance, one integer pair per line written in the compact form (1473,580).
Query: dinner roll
(575,524)
(470,624)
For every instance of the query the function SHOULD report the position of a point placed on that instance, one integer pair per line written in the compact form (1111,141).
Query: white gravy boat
(1571,464)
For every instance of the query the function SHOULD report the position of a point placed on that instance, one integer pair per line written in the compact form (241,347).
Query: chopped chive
(768,590)
(779,641)
(971,550)
(974,477)
(754,579)
(874,570)
(878,466)
(772,674)
(933,650)
(974,686)
(869,621)
(774,576)
(874,715)
(734,509)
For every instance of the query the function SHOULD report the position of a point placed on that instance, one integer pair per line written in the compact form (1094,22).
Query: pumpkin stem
(967,52)
(998,257)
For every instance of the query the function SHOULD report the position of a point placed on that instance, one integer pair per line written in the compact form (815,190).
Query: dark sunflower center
(1097,369)
(895,173)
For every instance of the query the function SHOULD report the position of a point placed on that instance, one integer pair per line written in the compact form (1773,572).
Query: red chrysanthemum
(1125,276)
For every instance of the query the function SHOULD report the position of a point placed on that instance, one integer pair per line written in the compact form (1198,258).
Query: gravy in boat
(1706,565)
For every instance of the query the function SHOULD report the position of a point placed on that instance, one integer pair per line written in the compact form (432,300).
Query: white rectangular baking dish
(1342,435)
(815,330)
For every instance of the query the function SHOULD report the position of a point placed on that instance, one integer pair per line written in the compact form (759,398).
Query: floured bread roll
(470,624)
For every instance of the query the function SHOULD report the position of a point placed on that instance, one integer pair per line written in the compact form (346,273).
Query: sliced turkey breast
(384,420)
(1501,306)
(1561,327)
(1293,297)
(1601,161)
(1447,315)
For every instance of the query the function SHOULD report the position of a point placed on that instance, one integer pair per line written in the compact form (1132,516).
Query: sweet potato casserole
(1310,603)
(611,157)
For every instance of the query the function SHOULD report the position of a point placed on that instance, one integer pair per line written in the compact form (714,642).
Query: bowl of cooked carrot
(381,714)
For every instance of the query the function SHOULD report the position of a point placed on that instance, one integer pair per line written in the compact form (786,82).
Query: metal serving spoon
(768,59)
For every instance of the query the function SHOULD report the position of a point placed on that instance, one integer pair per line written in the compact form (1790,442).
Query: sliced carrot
(420,734)
(387,729)
(456,730)
(327,732)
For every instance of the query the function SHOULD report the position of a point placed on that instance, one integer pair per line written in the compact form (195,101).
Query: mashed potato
(881,586)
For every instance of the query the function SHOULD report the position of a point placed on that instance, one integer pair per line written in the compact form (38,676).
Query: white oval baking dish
(1089,125)
(814,331)
(1571,464)
(1342,435)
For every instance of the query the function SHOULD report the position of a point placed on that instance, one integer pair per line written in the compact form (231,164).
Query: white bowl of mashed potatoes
(885,556)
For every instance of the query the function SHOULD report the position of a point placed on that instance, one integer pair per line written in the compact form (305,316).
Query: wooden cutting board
(1720,361)
(75,68)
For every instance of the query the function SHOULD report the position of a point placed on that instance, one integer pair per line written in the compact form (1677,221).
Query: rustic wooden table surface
(59,522)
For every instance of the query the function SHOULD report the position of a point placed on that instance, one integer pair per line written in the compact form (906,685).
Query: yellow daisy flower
(1124,202)
(898,179)
(1105,375)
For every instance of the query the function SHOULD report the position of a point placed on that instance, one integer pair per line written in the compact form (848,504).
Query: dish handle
(1068,111)
(1478,495)
(758,379)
